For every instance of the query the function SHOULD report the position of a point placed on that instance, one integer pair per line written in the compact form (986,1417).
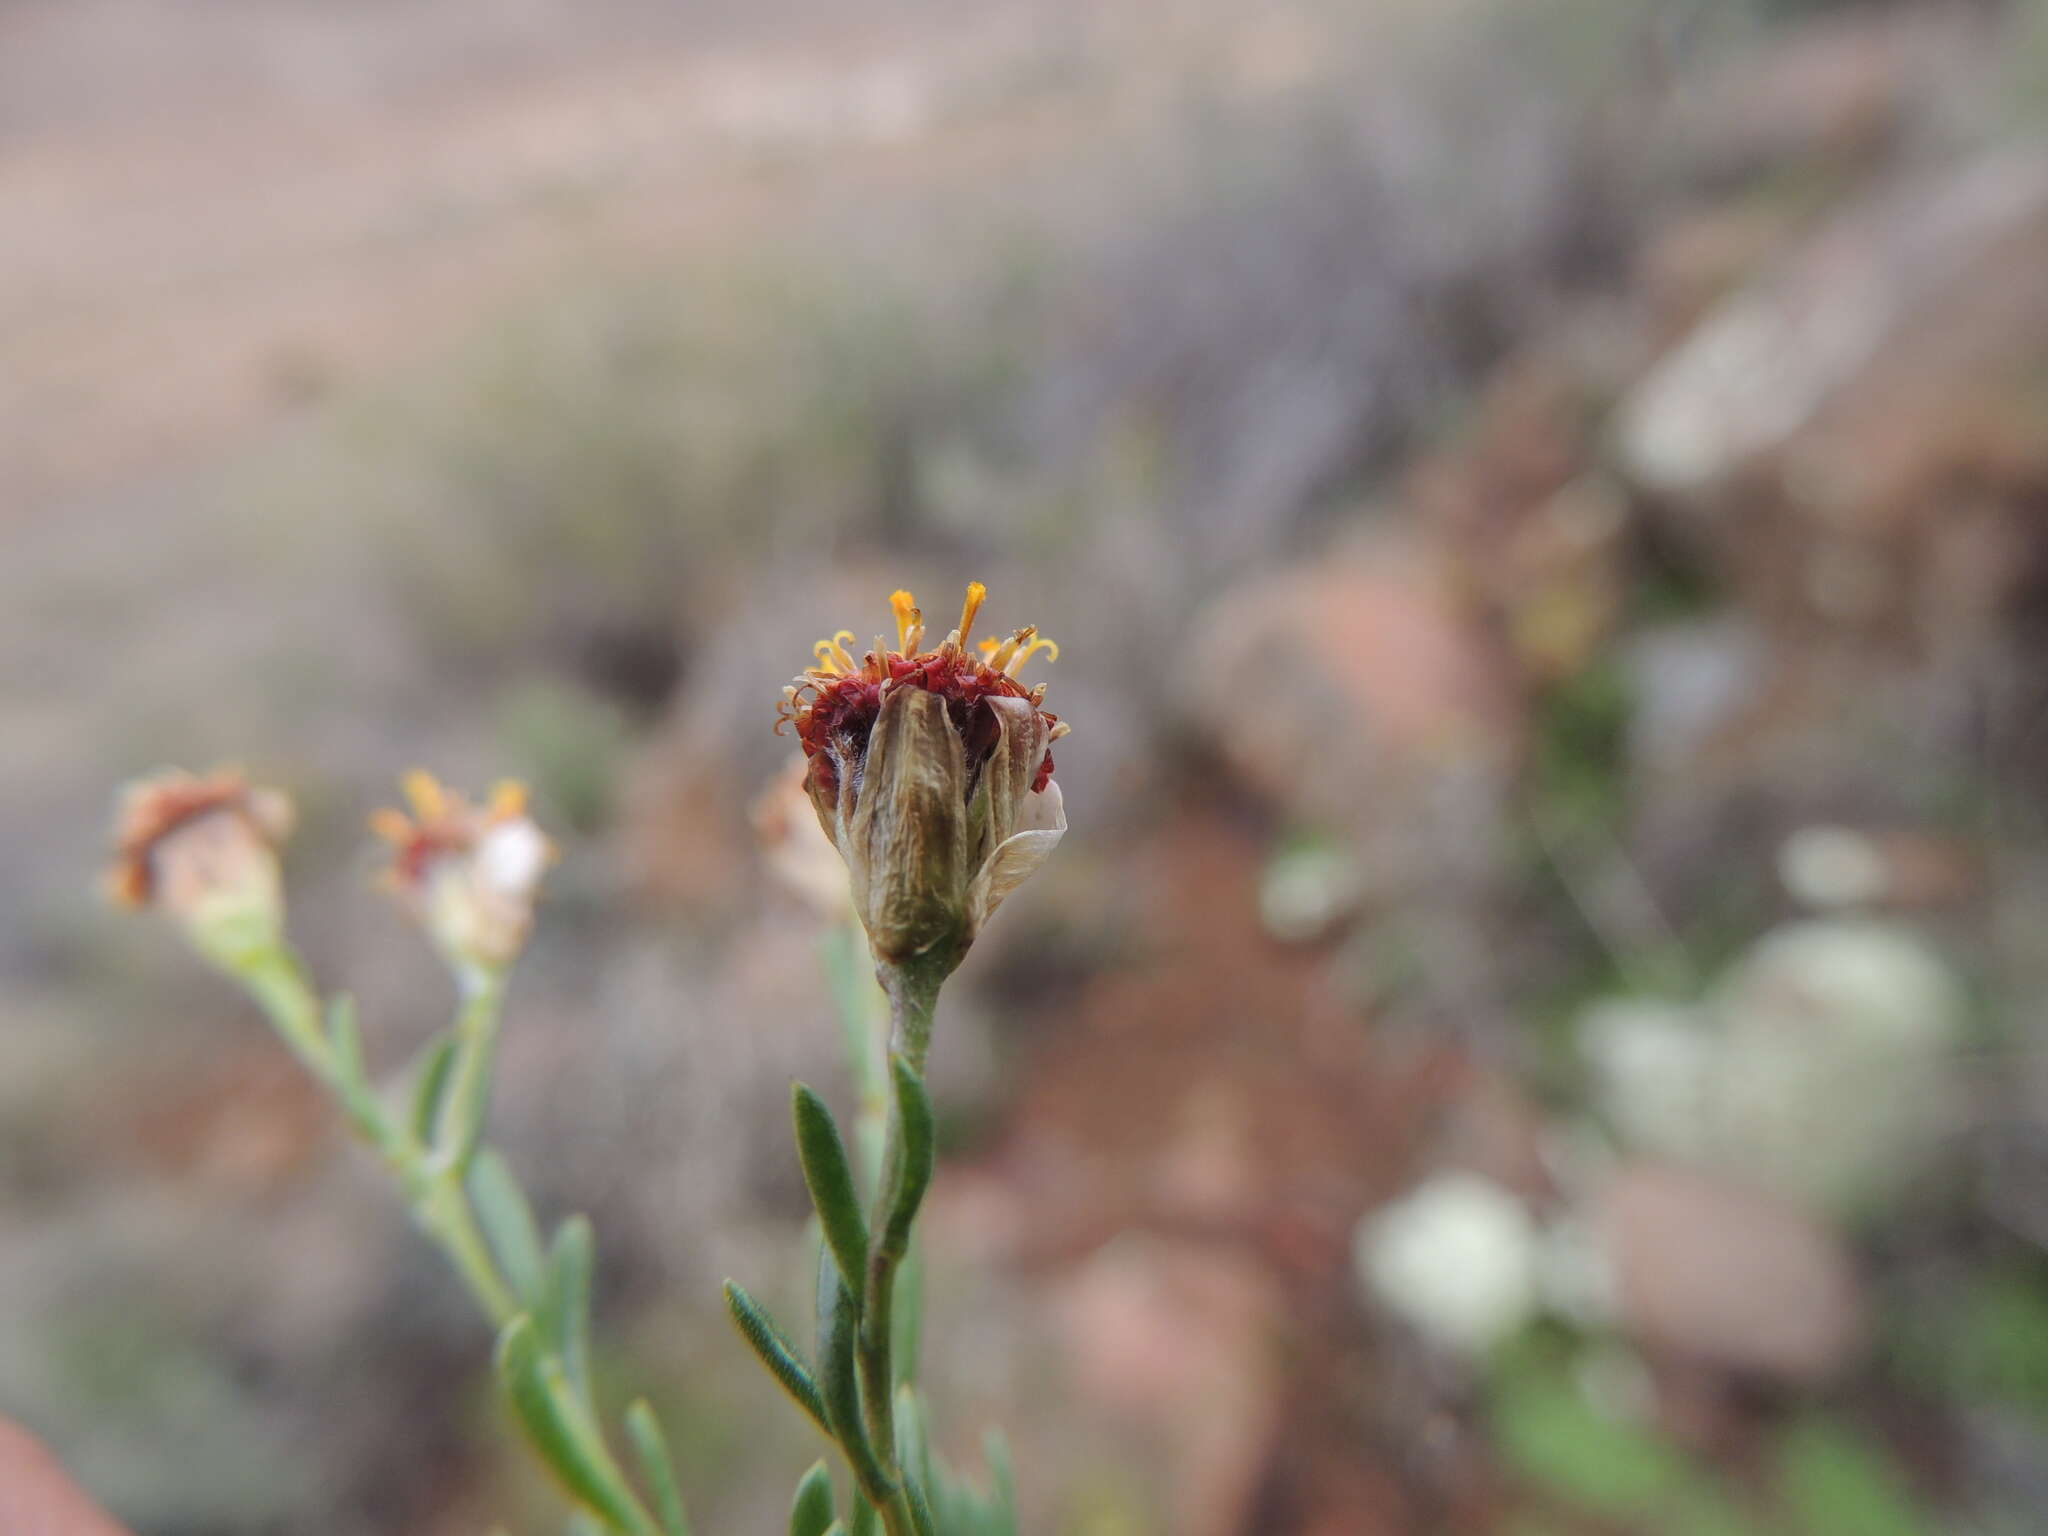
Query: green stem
(277,980)
(912,989)
(445,1214)
(863,1020)
(458,1128)
(430,1174)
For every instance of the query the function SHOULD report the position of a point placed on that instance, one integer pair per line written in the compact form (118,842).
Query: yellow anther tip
(395,827)
(423,791)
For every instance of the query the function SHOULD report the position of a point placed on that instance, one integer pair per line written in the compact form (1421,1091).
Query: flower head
(204,849)
(931,772)
(468,874)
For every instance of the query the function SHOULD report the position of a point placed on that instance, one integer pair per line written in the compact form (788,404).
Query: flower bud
(930,772)
(468,875)
(204,850)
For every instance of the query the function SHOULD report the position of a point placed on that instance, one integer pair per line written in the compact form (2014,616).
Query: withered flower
(930,772)
(204,849)
(469,875)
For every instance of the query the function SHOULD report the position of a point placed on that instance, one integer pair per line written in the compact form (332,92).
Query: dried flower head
(204,849)
(468,874)
(930,772)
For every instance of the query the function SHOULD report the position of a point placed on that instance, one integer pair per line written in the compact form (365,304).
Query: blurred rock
(1177,1338)
(1856,437)
(38,1499)
(1822,1066)
(1728,1276)
(1356,695)
(1652,1064)
(1836,1076)
(1768,364)
(1836,90)
(1828,867)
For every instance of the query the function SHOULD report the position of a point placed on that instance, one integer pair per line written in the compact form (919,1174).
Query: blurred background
(1537,1025)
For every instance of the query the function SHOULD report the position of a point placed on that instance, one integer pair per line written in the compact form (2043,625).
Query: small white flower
(1456,1259)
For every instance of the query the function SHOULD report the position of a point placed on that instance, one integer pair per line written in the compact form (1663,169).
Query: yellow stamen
(429,801)
(1052,653)
(508,800)
(976,595)
(1057,732)
(833,657)
(909,619)
(395,827)
(999,658)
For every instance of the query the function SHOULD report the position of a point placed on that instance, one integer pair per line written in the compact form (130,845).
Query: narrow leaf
(509,1225)
(345,1036)
(351,1080)
(839,1379)
(1003,1482)
(558,1428)
(572,1258)
(910,1170)
(920,1511)
(650,1450)
(906,1316)
(830,1178)
(811,1513)
(913,1443)
(776,1353)
(429,1086)
(865,1521)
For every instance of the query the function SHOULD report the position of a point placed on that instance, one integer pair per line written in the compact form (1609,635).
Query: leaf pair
(856,1272)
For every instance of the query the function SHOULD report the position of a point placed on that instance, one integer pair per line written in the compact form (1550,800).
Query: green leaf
(811,1512)
(571,1261)
(650,1450)
(830,1178)
(913,1442)
(839,1379)
(345,1037)
(910,1171)
(559,1428)
(777,1353)
(1833,1479)
(920,1511)
(1002,1483)
(906,1316)
(1551,1435)
(351,1078)
(865,1521)
(508,1223)
(429,1087)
